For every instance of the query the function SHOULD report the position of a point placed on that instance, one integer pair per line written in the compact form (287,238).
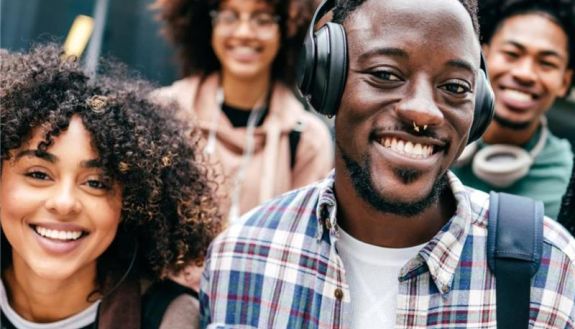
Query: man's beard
(510,124)
(363,184)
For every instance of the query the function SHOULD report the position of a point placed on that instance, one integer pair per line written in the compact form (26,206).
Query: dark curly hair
(493,12)
(344,8)
(169,208)
(188,26)
(567,212)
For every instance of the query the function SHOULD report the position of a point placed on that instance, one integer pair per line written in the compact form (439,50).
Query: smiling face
(409,62)
(59,212)
(527,59)
(247,50)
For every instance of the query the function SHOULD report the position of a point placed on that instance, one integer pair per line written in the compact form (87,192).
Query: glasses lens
(225,17)
(263,24)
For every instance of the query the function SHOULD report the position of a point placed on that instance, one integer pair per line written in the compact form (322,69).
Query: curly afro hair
(493,12)
(169,208)
(344,8)
(188,26)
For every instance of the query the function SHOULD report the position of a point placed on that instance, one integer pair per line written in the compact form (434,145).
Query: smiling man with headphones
(529,47)
(391,239)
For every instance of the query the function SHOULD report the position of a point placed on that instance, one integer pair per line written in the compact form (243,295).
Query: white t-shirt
(372,273)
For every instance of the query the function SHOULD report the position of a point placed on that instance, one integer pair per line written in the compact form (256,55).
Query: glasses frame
(228,28)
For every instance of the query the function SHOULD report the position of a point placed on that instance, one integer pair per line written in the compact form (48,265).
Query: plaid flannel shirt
(279,268)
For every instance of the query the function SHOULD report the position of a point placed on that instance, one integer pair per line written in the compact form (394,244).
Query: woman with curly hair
(238,62)
(101,192)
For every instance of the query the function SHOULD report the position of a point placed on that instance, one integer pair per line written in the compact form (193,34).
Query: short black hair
(344,8)
(492,13)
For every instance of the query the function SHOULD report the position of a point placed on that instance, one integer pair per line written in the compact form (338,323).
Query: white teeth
(518,95)
(418,149)
(242,50)
(408,148)
(58,235)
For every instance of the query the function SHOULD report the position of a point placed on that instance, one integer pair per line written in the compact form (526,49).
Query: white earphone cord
(255,116)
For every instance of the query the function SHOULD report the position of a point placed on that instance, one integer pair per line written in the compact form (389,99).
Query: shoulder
(479,205)
(181,91)
(285,223)
(556,150)
(168,304)
(183,312)
(293,114)
(560,241)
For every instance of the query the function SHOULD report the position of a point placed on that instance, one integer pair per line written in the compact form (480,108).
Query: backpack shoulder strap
(157,299)
(514,247)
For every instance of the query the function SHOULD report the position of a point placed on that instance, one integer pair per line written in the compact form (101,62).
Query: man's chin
(511,124)
(366,188)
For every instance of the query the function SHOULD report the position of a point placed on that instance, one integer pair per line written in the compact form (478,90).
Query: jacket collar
(441,254)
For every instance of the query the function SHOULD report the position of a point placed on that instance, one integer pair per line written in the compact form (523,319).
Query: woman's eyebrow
(37,154)
(93,163)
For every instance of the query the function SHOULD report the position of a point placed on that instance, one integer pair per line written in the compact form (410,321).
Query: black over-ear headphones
(323,65)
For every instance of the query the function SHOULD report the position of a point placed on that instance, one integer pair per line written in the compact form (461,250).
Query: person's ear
(566,82)
(485,49)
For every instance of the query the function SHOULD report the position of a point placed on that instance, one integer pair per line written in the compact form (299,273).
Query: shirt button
(338,293)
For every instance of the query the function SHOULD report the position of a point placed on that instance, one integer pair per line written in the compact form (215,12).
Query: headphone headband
(323,65)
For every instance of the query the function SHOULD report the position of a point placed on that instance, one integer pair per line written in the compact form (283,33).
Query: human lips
(408,148)
(59,238)
(61,235)
(411,146)
(244,53)
(515,98)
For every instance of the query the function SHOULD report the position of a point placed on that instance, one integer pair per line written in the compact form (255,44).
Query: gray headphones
(501,165)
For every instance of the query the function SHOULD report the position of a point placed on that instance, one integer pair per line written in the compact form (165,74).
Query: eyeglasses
(263,24)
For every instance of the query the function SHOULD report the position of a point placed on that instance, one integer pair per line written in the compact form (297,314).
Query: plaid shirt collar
(441,254)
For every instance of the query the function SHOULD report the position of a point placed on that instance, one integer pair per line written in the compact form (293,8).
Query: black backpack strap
(514,247)
(157,299)
(294,137)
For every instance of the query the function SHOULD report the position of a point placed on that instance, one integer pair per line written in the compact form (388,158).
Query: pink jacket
(268,173)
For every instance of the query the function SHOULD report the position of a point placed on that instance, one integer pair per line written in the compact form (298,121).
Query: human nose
(64,200)
(524,71)
(419,107)
(244,27)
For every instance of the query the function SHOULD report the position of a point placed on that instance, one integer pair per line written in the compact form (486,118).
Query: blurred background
(126,30)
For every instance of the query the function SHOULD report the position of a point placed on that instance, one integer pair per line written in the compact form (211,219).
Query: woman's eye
(387,76)
(37,175)
(264,20)
(97,184)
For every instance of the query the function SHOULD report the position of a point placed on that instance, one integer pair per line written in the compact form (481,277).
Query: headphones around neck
(323,64)
(501,165)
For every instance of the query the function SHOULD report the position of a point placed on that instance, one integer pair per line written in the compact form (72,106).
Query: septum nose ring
(418,128)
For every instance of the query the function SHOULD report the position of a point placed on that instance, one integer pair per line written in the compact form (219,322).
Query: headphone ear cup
(330,69)
(513,166)
(484,107)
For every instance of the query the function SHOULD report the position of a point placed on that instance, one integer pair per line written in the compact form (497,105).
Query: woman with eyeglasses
(238,60)
(102,193)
